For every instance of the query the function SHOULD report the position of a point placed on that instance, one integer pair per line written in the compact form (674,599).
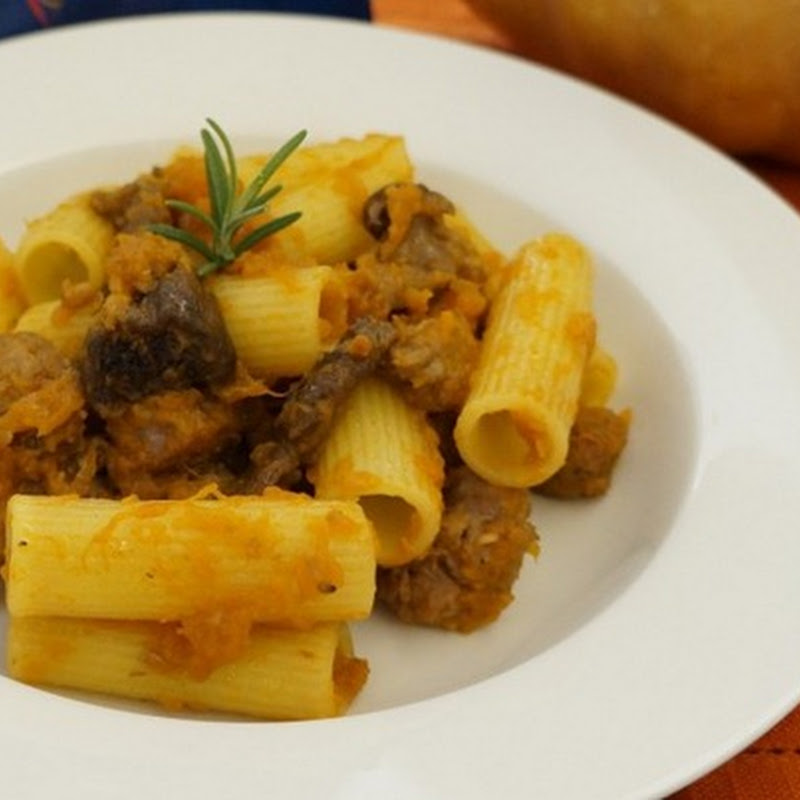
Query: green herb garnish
(229,210)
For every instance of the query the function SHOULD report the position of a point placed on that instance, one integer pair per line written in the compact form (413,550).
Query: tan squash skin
(727,69)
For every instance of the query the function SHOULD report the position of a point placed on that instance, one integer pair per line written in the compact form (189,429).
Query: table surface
(769,769)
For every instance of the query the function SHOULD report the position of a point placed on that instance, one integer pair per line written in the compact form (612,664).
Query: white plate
(658,632)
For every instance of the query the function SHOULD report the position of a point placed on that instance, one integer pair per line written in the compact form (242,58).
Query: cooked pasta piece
(69,243)
(281,558)
(11,302)
(65,329)
(278,675)
(385,454)
(375,339)
(329,183)
(280,324)
(599,378)
(514,427)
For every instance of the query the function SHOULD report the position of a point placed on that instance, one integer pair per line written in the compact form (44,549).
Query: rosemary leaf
(230,158)
(264,198)
(194,211)
(269,169)
(273,226)
(217,179)
(184,237)
(230,209)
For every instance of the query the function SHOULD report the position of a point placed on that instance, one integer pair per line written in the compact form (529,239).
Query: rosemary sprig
(229,210)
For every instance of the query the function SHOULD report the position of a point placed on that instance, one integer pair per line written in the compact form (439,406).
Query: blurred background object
(729,70)
(23,16)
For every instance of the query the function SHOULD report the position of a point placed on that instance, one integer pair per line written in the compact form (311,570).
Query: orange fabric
(767,770)
(770,768)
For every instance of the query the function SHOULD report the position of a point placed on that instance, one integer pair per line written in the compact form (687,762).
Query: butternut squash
(729,70)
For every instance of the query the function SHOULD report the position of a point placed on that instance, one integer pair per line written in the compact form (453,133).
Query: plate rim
(709,161)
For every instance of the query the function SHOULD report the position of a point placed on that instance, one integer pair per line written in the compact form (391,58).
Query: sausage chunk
(418,259)
(135,205)
(166,436)
(597,438)
(434,359)
(27,362)
(465,580)
(43,446)
(40,393)
(408,221)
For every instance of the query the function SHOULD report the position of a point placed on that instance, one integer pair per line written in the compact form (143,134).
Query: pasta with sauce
(219,452)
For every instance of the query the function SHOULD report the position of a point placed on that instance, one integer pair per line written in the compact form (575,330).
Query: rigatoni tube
(599,378)
(281,558)
(70,242)
(11,301)
(280,324)
(384,453)
(65,328)
(514,427)
(330,182)
(279,674)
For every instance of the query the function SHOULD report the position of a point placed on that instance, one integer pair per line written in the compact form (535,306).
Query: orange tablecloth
(770,768)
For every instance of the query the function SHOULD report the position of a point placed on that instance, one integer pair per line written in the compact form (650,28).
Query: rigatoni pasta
(282,403)
(70,243)
(330,182)
(281,558)
(283,322)
(65,328)
(514,427)
(599,378)
(11,302)
(385,454)
(279,674)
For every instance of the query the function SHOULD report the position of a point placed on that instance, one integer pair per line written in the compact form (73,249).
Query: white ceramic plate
(658,632)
